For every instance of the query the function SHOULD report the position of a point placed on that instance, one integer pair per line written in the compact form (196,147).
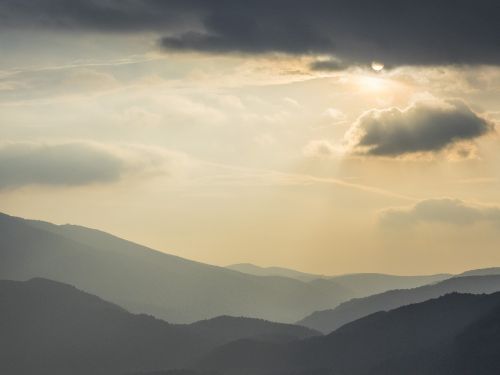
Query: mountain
(143,280)
(361,284)
(365,284)
(329,320)
(455,334)
(482,272)
(224,329)
(53,328)
(252,269)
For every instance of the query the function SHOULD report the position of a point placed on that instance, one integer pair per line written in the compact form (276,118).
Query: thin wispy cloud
(287,178)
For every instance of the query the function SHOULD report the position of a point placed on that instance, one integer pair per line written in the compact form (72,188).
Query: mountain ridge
(436,337)
(144,280)
(53,328)
(328,320)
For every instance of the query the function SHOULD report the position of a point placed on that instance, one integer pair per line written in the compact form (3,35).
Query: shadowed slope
(144,280)
(360,284)
(53,328)
(456,334)
(329,320)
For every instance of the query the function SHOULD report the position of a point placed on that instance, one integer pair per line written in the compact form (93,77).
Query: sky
(326,136)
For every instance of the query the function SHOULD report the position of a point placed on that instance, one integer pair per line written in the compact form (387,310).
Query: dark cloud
(63,164)
(356,31)
(441,210)
(424,127)
(95,15)
(251,27)
(328,65)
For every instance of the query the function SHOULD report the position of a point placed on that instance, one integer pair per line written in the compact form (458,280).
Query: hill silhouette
(481,272)
(53,328)
(455,334)
(360,284)
(328,320)
(143,280)
(252,269)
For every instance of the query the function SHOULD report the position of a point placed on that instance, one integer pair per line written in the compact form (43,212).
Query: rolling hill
(53,328)
(361,284)
(252,269)
(143,280)
(328,320)
(455,334)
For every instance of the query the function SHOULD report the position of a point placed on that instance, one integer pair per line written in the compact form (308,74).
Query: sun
(377,66)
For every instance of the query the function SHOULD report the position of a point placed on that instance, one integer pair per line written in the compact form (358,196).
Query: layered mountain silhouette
(481,272)
(457,334)
(48,327)
(143,280)
(53,328)
(328,320)
(366,284)
(252,269)
(360,284)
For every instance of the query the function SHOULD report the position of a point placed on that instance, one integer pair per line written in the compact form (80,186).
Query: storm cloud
(424,127)
(354,31)
(440,210)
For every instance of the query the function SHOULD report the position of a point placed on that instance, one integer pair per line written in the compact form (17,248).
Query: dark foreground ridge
(456,334)
(329,320)
(49,328)
(52,328)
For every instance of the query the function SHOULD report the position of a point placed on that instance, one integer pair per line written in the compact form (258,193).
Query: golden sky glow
(228,159)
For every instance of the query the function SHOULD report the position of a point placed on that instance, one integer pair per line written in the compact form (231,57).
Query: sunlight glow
(371,83)
(377,66)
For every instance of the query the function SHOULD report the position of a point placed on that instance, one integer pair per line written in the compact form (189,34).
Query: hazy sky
(264,131)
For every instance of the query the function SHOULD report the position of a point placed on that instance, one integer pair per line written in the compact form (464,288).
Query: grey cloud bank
(70,164)
(395,32)
(440,210)
(62,164)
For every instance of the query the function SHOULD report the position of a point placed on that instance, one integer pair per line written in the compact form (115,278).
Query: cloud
(440,210)
(424,127)
(321,149)
(74,163)
(336,115)
(328,65)
(94,15)
(356,32)
(422,32)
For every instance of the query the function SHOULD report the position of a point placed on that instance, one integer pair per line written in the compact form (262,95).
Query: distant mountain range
(49,328)
(329,320)
(169,287)
(481,272)
(252,269)
(458,334)
(361,284)
(144,280)
(380,324)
